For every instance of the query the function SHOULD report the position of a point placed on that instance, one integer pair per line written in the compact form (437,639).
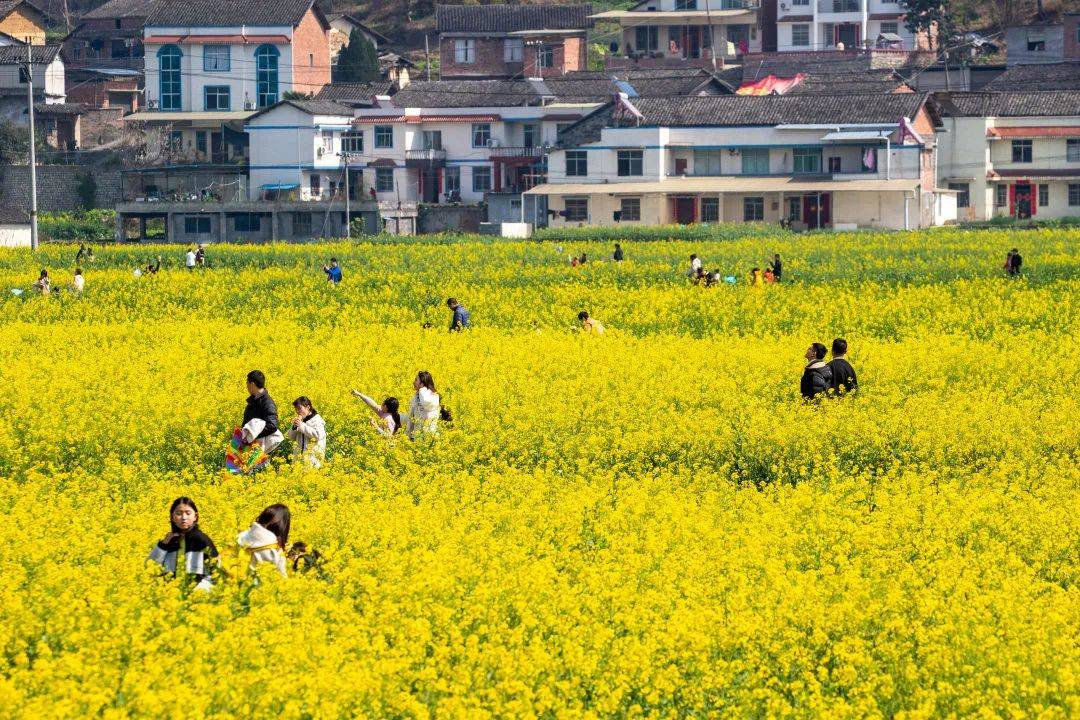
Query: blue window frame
(266,75)
(216,97)
(169,93)
(755,161)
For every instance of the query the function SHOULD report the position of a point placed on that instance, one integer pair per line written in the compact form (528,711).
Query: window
(247,222)
(465,52)
(545,56)
(794,208)
(630,209)
(710,209)
(800,2)
(1072,150)
(835,165)
(513,50)
(647,38)
(311,59)
(707,162)
(753,208)
(216,58)
(807,160)
(266,75)
(452,180)
(169,77)
(577,209)
(530,135)
(481,179)
(888,28)
(577,163)
(352,142)
(200,141)
(196,226)
(686,4)
(1044,195)
(216,97)
(116,23)
(481,134)
(630,162)
(963,194)
(1021,151)
(830,35)
(755,161)
(1001,195)
(301,223)
(326,141)
(384,180)
(800,35)
(384,136)
(316,185)
(1036,42)
(1074,195)
(432,139)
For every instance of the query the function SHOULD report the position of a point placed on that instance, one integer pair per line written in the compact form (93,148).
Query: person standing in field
(200,256)
(260,414)
(589,326)
(777,267)
(189,258)
(387,421)
(618,255)
(78,282)
(1013,262)
(816,377)
(695,267)
(425,407)
(267,537)
(43,284)
(308,433)
(843,380)
(186,546)
(460,319)
(333,271)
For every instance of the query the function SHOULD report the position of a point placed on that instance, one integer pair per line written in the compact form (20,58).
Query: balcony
(512,152)
(429,158)
(833,7)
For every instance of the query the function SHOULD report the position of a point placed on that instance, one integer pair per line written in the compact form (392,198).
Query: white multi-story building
(1012,153)
(804,25)
(816,160)
(48,77)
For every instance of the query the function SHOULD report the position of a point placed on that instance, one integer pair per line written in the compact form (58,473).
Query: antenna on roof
(623,106)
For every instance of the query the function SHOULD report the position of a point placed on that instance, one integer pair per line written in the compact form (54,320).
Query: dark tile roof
(868,83)
(8,6)
(1053,76)
(227,12)
(824,76)
(357,22)
(121,9)
(41,54)
(582,86)
(511,18)
(467,93)
(1010,104)
(13,216)
(54,109)
(741,110)
(312,107)
(354,93)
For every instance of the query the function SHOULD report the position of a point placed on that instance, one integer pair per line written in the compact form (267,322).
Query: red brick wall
(490,62)
(311,55)
(1072,43)
(576,53)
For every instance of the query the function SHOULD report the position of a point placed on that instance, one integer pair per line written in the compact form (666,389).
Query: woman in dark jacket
(186,546)
(817,375)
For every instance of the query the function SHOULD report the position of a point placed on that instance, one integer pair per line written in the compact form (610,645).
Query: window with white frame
(513,50)
(545,56)
(1044,195)
(216,58)
(800,2)
(576,209)
(452,180)
(384,180)
(326,141)
(806,160)
(1072,150)
(352,141)
(384,136)
(481,179)
(630,163)
(753,209)
(755,161)
(963,194)
(481,134)
(630,209)
(1021,151)
(890,28)
(465,51)
(800,35)
(710,209)
(577,163)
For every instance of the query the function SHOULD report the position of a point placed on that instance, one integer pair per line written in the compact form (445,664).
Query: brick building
(511,41)
(20,20)
(109,37)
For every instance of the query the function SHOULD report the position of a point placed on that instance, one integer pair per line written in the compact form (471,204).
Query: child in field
(589,326)
(308,433)
(267,537)
(618,255)
(387,421)
(187,543)
(768,276)
(260,414)
(78,282)
(424,408)
(151,268)
(695,267)
(200,256)
(843,380)
(777,266)
(756,278)
(43,284)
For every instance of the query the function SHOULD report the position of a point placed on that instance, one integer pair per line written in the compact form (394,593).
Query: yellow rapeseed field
(644,523)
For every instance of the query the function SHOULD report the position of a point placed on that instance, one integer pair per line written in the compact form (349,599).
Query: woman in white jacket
(308,433)
(267,537)
(424,410)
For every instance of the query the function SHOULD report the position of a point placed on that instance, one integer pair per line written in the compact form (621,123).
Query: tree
(925,16)
(358,61)
(14,144)
(87,191)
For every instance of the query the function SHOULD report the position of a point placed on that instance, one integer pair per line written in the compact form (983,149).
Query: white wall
(284,144)
(14,236)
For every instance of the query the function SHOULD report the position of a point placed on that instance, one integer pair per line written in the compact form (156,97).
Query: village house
(341,28)
(837,161)
(47,76)
(21,21)
(1011,154)
(511,41)
(807,25)
(677,33)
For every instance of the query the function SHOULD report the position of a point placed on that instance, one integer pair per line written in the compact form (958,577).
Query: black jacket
(262,406)
(843,377)
(816,379)
(777,269)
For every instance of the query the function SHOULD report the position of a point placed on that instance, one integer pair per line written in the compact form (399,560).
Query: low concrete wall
(450,218)
(57,186)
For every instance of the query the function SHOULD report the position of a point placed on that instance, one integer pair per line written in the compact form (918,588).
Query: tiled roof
(599,86)
(356,21)
(15,54)
(1010,104)
(311,107)
(467,93)
(121,9)
(8,6)
(511,18)
(54,109)
(354,93)
(206,13)
(1053,76)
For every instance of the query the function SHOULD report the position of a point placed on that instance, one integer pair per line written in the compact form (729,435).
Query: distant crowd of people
(698,275)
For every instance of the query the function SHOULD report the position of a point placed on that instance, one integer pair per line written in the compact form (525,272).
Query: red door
(815,216)
(685,210)
(1023,201)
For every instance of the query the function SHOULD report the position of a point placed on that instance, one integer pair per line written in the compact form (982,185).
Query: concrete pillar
(273,225)
(142,227)
(222,230)
(120,227)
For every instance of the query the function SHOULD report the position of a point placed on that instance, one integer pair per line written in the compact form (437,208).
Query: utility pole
(33,155)
(348,219)
(427,58)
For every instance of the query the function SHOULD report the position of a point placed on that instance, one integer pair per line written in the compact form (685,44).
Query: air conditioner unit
(492,143)
(152,105)
(248,105)
(783,6)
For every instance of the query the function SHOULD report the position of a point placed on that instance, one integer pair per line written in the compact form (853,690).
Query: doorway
(430,180)
(817,210)
(1022,199)
(847,33)
(685,210)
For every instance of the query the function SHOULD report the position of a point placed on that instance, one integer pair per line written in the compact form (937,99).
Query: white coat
(263,546)
(309,437)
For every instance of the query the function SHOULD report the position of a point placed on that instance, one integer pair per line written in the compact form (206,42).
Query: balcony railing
(839,6)
(430,155)
(517,151)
